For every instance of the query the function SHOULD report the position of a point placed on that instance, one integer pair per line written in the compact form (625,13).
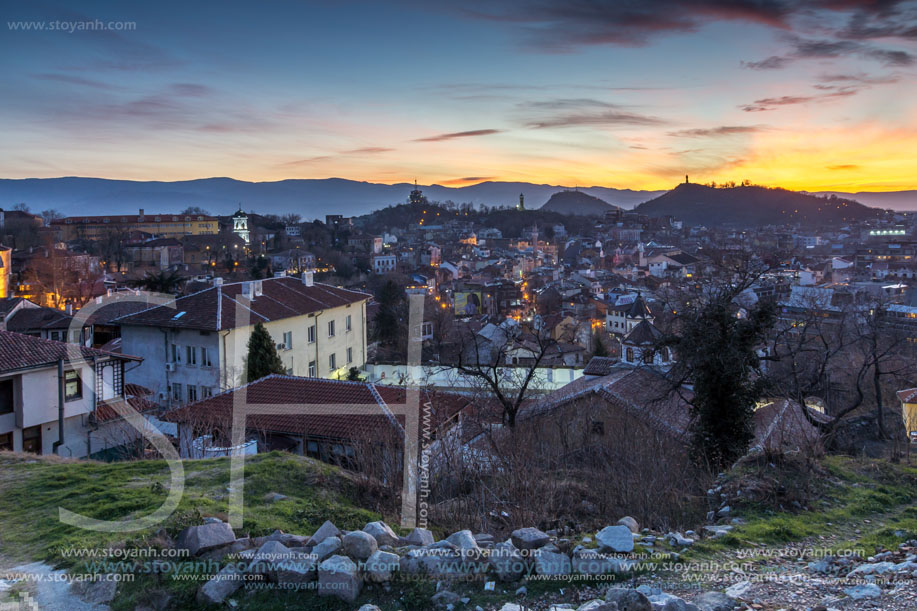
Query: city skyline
(811,95)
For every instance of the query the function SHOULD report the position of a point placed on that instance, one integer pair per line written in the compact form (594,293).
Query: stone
(511,607)
(445,598)
(616,538)
(592,562)
(420,536)
(94,592)
(551,563)
(326,548)
(529,538)
(483,539)
(678,539)
(738,590)
(299,568)
(328,529)
(382,533)
(197,539)
(506,561)
(715,601)
(597,605)
(273,497)
(369,607)
(359,545)
(338,576)
(463,540)
(381,566)
(221,586)
(628,600)
(717,531)
(869,590)
(670,602)
(288,539)
(876,568)
(630,523)
(281,564)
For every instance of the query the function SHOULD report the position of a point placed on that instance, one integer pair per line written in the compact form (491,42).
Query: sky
(802,94)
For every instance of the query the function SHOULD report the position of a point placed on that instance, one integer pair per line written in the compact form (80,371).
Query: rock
(463,540)
(669,602)
(273,497)
(288,539)
(91,591)
(628,600)
(197,539)
(724,511)
(521,591)
(869,590)
(511,607)
(597,605)
(445,598)
(617,538)
(381,565)
(551,563)
(876,568)
(483,539)
(359,545)
(678,539)
(368,607)
(738,590)
(326,548)
(715,601)
(529,538)
(420,536)
(506,561)
(630,523)
(382,533)
(338,576)
(221,586)
(593,562)
(717,531)
(273,559)
(324,531)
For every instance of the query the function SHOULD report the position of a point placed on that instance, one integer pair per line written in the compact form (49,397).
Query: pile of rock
(644,598)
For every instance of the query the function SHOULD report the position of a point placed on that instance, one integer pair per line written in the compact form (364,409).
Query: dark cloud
(774,62)
(459,181)
(609,117)
(789,100)
(859,79)
(560,25)
(723,130)
(453,135)
(807,48)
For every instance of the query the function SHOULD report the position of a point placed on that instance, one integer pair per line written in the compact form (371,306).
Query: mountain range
(309,198)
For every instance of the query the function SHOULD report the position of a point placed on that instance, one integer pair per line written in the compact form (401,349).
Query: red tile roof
(25,352)
(367,407)
(214,309)
(908,396)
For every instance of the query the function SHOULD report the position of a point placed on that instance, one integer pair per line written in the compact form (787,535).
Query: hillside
(577,202)
(702,205)
(853,517)
(307,197)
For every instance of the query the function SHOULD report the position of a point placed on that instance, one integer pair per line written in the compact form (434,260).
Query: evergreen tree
(598,345)
(262,358)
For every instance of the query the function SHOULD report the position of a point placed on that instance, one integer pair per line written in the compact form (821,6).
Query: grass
(34,489)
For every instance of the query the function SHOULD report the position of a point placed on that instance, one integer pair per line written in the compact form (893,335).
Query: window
(349,356)
(206,392)
(312,334)
(192,393)
(176,391)
(332,361)
(6,442)
(192,355)
(288,340)
(31,439)
(648,357)
(73,386)
(629,355)
(348,323)
(206,357)
(311,369)
(176,353)
(6,397)
(57,336)
(598,428)
(330,328)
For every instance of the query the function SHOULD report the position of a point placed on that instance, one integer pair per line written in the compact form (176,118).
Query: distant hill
(309,198)
(701,205)
(577,202)
(895,200)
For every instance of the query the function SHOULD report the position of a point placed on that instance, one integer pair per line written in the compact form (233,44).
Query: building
(627,312)
(908,399)
(240,226)
(195,346)
(57,398)
(383,264)
(155,254)
(157,225)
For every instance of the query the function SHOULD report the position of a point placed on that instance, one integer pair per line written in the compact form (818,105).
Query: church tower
(240,225)
(416,198)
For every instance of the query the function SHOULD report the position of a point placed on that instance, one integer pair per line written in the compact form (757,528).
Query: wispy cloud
(723,130)
(454,135)
(467,179)
(843,166)
(74,80)
(368,150)
(573,112)
(789,100)
(774,62)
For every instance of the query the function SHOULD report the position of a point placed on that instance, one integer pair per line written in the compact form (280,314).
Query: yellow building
(908,400)
(158,225)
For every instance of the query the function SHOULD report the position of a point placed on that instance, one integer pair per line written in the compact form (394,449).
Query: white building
(48,388)
(383,264)
(194,346)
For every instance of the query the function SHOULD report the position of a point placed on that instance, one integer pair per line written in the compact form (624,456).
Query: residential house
(195,346)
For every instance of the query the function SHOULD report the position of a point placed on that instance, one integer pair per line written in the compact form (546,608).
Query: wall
(545,379)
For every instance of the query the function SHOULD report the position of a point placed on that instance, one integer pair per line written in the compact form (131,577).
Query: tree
(22,207)
(169,282)
(353,374)
(50,215)
(389,320)
(291,219)
(599,348)
(195,210)
(717,351)
(262,359)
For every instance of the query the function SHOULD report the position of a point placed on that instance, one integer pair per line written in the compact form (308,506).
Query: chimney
(248,290)
(217,282)
(69,309)
(307,278)
(141,213)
